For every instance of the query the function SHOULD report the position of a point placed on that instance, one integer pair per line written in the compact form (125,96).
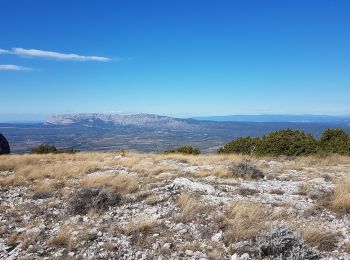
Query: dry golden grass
(49,172)
(304,189)
(221,172)
(193,245)
(47,185)
(153,200)
(316,235)
(189,205)
(347,247)
(330,160)
(140,225)
(341,199)
(117,183)
(62,239)
(28,168)
(277,191)
(217,253)
(245,221)
(247,191)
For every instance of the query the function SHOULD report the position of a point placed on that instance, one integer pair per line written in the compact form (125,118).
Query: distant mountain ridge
(142,120)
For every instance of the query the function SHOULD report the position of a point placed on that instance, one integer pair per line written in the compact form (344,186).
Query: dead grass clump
(193,245)
(221,172)
(88,199)
(341,199)
(118,183)
(62,239)
(245,169)
(323,239)
(13,180)
(142,225)
(277,191)
(217,253)
(154,200)
(247,191)
(347,247)
(189,205)
(312,191)
(201,174)
(125,184)
(304,189)
(5,167)
(245,221)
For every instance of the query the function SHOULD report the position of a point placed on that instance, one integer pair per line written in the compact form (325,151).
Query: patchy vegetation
(241,145)
(335,141)
(46,148)
(288,142)
(184,150)
(125,205)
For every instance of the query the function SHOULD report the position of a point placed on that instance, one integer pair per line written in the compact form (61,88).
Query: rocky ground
(148,206)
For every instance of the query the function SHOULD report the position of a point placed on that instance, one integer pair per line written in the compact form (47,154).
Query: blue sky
(182,58)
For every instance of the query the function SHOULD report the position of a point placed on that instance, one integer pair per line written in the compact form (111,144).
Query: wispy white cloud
(14,67)
(52,55)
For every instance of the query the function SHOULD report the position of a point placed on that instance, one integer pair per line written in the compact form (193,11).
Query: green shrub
(287,142)
(46,148)
(184,150)
(335,141)
(242,145)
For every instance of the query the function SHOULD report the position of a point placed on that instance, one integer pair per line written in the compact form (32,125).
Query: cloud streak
(52,55)
(10,67)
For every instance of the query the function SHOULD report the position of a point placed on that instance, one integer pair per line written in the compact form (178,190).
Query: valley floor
(152,206)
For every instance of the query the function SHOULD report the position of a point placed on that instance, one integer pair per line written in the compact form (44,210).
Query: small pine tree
(241,145)
(44,148)
(335,141)
(184,150)
(287,142)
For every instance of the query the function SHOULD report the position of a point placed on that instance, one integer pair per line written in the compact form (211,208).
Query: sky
(174,57)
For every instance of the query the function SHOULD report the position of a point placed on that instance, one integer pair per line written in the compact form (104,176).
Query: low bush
(245,169)
(287,142)
(335,141)
(283,243)
(46,148)
(291,143)
(184,150)
(241,145)
(88,199)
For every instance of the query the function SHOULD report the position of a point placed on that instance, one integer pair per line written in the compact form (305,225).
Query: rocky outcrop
(4,145)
